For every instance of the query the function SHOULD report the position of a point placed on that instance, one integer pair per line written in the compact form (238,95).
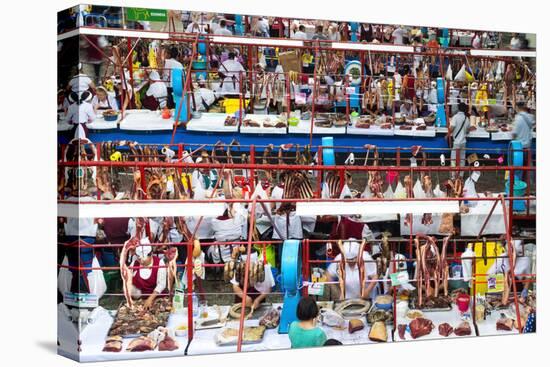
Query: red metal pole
(246,273)
(190,289)
(98,149)
(508,226)
(252,170)
(319,173)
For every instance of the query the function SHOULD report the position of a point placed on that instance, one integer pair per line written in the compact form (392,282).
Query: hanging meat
(427,268)
(401,328)
(125,271)
(375,182)
(407,181)
(171,255)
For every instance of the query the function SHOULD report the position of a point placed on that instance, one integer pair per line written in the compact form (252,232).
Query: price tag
(475,176)
(399,278)
(413,162)
(495,283)
(350,90)
(316,289)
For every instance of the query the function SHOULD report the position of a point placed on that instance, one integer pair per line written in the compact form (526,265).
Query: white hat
(154,76)
(143,251)
(401,262)
(351,249)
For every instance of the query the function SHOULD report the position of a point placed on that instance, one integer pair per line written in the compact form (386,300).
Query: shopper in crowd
(367,33)
(397,35)
(523,125)
(103,101)
(458,130)
(300,34)
(157,94)
(222,29)
(305,333)
(319,33)
(333,33)
(352,282)
(515,42)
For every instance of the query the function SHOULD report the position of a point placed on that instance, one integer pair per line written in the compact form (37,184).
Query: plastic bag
(449,74)
(469,188)
(332,318)
(388,194)
(461,75)
(418,191)
(399,192)
(438,193)
(96,280)
(65,277)
(345,192)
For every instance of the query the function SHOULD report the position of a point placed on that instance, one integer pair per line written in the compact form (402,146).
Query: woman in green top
(304,333)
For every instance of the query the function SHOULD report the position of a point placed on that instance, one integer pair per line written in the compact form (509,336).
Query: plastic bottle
(195,305)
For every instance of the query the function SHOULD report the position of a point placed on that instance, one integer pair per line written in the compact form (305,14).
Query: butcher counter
(148,127)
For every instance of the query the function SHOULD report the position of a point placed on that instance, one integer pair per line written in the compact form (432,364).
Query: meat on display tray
(376,314)
(131,323)
(352,312)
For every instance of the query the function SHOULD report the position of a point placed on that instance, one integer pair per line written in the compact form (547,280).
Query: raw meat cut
(505,323)
(463,329)
(445,329)
(420,327)
(168,344)
(141,344)
(401,330)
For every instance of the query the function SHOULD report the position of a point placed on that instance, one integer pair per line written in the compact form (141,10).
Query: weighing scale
(291,270)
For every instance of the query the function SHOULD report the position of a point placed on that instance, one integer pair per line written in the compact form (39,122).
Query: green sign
(399,278)
(152,15)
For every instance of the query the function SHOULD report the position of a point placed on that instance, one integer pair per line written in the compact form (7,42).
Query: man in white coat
(231,70)
(352,281)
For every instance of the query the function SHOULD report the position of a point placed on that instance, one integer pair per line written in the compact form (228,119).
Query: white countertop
(262,129)
(429,132)
(451,317)
(372,130)
(145,120)
(304,127)
(211,122)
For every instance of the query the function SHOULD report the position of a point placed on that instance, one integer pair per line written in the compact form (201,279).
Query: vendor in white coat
(352,281)
(229,227)
(150,279)
(102,101)
(256,292)
(157,94)
(80,113)
(231,69)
